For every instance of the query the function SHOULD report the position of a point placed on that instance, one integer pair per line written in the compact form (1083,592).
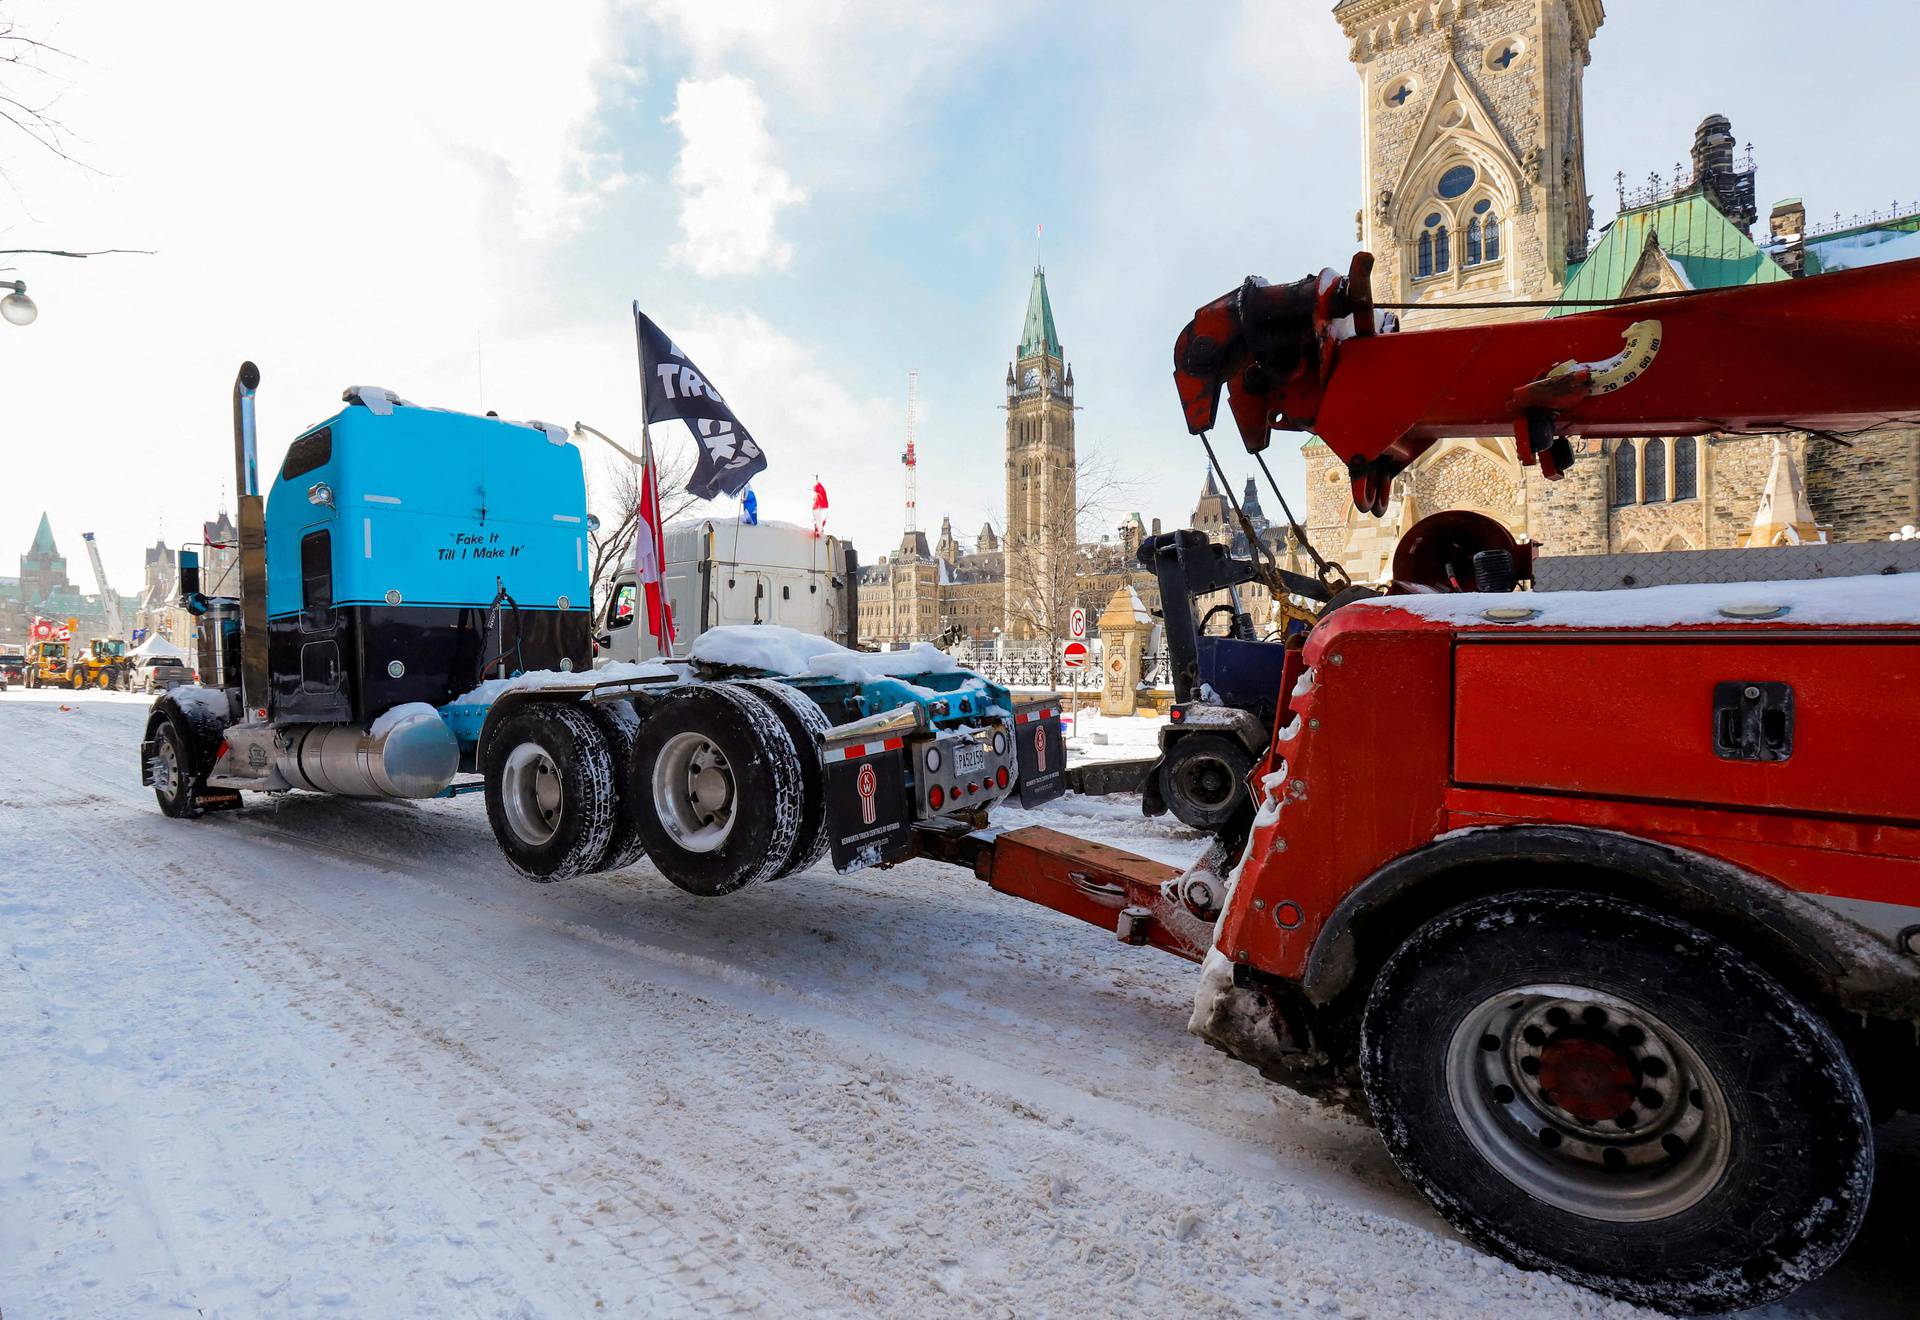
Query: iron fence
(1028,666)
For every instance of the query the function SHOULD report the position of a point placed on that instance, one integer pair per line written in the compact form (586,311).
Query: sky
(461,201)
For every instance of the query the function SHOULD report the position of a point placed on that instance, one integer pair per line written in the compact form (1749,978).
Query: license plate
(969,758)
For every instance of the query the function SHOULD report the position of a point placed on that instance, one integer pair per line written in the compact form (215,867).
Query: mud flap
(1040,751)
(869,814)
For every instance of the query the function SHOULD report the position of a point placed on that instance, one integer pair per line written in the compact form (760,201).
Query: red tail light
(936,796)
(1000,776)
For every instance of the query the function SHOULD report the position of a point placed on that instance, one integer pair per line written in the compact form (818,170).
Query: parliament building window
(1653,479)
(1686,468)
(1626,474)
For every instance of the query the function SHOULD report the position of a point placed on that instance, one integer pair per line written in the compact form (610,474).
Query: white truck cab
(720,573)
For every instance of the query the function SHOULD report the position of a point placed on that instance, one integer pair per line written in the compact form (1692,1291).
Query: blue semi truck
(413,619)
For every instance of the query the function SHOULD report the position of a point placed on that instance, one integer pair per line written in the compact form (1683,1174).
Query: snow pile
(776,650)
(1877,248)
(393,719)
(1880,599)
(1092,736)
(620,671)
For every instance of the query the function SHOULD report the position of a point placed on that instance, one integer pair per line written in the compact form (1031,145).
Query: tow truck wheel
(1204,780)
(717,790)
(1590,1087)
(550,793)
(806,724)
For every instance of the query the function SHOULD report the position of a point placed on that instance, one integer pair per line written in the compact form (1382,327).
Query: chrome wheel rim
(532,795)
(694,795)
(166,768)
(1589,1103)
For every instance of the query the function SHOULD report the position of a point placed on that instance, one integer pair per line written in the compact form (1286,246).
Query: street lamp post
(16,306)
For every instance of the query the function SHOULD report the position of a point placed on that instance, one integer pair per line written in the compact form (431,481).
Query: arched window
(1493,238)
(1653,480)
(1473,241)
(1686,468)
(1626,475)
(1436,255)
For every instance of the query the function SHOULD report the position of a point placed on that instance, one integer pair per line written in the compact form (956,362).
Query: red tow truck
(1605,906)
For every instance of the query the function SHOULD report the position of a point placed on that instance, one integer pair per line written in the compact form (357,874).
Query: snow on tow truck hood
(796,654)
(1879,599)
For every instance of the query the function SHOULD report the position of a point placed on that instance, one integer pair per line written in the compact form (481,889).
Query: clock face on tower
(1032,378)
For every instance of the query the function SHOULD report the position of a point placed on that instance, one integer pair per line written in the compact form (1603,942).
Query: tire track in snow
(856,1152)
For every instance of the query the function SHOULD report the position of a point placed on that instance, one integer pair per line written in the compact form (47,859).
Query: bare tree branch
(1045,581)
(613,494)
(29,90)
(97,252)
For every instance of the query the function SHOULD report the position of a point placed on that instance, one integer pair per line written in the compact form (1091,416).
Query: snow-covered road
(332,1056)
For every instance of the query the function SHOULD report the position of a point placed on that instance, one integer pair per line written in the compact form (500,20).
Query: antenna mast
(909,459)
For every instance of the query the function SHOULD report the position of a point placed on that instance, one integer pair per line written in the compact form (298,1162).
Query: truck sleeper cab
(422,576)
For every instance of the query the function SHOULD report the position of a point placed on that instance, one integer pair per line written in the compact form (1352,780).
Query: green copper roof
(43,539)
(1038,336)
(1708,248)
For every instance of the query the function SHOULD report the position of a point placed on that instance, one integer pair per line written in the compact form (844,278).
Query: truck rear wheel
(806,724)
(620,724)
(1590,1087)
(716,789)
(1203,780)
(550,792)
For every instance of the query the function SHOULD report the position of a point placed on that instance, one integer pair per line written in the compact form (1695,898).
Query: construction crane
(116,626)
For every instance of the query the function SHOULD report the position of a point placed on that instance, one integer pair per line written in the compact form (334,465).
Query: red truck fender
(1820,955)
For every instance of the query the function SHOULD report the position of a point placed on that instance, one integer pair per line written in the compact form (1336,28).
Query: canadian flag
(650,552)
(819,509)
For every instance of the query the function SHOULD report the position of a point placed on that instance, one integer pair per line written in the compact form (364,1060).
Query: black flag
(674,387)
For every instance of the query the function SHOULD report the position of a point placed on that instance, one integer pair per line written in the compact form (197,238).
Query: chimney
(1727,186)
(1787,226)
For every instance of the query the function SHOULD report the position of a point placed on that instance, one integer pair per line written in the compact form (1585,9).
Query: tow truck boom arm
(1834,353)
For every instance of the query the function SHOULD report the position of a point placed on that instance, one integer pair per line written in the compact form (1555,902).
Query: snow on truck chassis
(406,553)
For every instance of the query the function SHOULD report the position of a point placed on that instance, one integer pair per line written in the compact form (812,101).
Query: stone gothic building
(42,588)
(1476,191)
(1020,584)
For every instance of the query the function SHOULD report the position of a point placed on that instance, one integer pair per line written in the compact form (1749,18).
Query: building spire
(43,539)
(1783,516)
(1037,335)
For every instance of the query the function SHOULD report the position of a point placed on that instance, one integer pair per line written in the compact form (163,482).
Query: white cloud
(732,186)
(356,192)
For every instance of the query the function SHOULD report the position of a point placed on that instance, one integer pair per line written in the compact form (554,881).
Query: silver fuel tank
(413,756)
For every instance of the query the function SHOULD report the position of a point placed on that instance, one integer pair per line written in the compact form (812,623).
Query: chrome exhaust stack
(254,678)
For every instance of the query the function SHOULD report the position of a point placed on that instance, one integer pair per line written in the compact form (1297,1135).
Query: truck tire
(1589,1087)
(806,724)
(717,790)
(1203,781)
(620,724)
(550,791)
(176,785)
